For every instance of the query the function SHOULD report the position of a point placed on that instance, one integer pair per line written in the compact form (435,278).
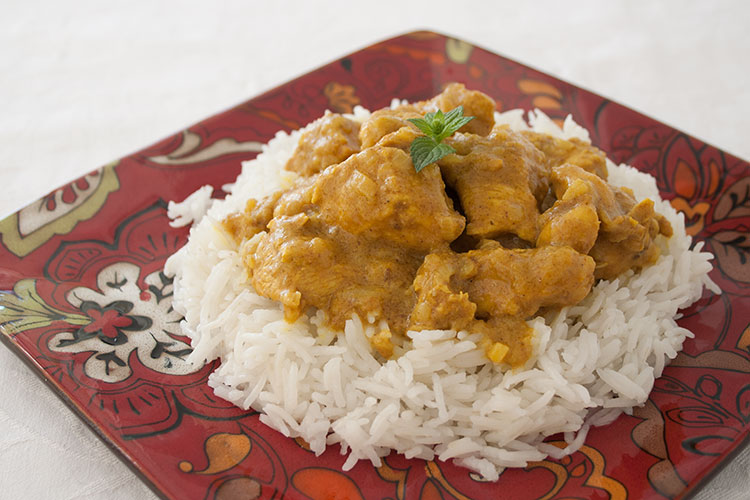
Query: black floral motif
(161,348)
(110,357)
(159,291)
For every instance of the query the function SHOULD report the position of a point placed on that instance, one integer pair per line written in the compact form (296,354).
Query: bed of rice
(440,397)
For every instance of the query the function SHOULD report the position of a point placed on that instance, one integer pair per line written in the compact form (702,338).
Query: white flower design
(126,319)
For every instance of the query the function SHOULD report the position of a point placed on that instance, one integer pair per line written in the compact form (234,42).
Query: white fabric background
(85,82)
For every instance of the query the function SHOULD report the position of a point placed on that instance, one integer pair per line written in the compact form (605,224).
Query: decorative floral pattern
(102,324)
(458,51)
(192,150)
(23,309)
(83,294)
(584,469)
(58,212)
(342,98)
(543,95)
(123,320)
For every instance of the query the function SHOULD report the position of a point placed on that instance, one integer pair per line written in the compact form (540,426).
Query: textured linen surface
(83,83)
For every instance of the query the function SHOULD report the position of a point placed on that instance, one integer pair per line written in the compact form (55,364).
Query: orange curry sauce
(479,241)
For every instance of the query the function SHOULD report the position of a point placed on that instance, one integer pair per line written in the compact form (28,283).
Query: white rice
(441,397)
(191,209)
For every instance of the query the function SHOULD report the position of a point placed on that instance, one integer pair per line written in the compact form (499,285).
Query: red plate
(84,301)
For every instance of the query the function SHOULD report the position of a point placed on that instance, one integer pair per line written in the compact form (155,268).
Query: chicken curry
(481,240)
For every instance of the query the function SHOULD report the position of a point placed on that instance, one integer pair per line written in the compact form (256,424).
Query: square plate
(84,301)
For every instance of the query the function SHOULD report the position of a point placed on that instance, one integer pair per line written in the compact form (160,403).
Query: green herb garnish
(436,126)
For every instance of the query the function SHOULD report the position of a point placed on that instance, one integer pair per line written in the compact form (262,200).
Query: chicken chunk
(476,104)
(378,194)
(574,151)
(498,180)
(494,290)
(387,121)
(332,139)
(254,219)
(302,261)
(604,221)
(259,213)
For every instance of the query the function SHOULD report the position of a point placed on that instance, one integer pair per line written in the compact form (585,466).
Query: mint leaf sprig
(436,126)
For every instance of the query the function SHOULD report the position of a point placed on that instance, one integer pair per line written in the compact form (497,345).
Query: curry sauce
(479,241)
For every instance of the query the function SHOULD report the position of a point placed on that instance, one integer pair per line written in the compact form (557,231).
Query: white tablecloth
(83,83)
